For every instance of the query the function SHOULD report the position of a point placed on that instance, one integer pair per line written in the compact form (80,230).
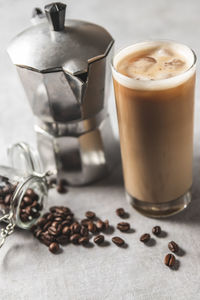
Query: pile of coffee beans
(58,227)
(29,207)
(6,191)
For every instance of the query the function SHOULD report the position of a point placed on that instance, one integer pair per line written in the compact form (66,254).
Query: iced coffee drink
(154,86)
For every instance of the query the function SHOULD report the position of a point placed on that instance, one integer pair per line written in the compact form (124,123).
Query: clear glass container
(23,189)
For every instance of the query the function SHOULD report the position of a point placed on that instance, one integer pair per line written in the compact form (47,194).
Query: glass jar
(23,189)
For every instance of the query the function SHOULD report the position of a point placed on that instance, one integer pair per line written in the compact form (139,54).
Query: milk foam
(154,65)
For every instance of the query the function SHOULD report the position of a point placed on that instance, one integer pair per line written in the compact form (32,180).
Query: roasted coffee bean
(58,219)
(106,224)
(145,238)
(156,230)
(22,204)
(41,222)
(55,224)
(100,225)
(62,239)
(38,233)
(92,227)
(53,208)
(75,228)
(118,241)
(83,240)
(59,211)
(24,217)
(28,210)
(54,247)
(61,189)
(121,212)
(85,222)
(48,236)
(59,215)
(69,217)
(7,200)
(173,247)
(170,260)
(36,205)
(84,231)
(55,230)
(75,238)
(44,241)
(47,225)
(66,223)
(66,210)
(90,215)
(66,231)
(123,226)
(36,215)
(99,239)
(30,193)
(50,217)
(27,200)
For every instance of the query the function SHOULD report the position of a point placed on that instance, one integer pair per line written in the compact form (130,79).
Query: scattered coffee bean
(38,233)
(84,231)
(121,212)
(54,247)
(7,200)
(66,231)
(47,225)
(85,222)
(83,240)
(90,215)
(145,238)
(30,193)
(53,231)
(170,260)
(61,189)
(173,247)
(24,217)
(156,230)
(100,225)
(27,200)
(75,238)
(75,227)
(118,241)
(99,239)
(106,224)
(92,227)
(123,226)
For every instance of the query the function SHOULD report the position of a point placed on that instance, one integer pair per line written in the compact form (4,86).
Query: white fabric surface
(27,269)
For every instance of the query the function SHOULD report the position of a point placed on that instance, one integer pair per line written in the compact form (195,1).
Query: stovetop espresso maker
(64,66)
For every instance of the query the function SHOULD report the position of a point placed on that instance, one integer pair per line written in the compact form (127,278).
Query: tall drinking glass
(154,84)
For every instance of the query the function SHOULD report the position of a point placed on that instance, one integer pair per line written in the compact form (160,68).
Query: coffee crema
(145,65)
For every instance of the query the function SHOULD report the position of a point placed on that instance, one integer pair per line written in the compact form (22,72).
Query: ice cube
(142,64)
(163,52)
(175,62)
